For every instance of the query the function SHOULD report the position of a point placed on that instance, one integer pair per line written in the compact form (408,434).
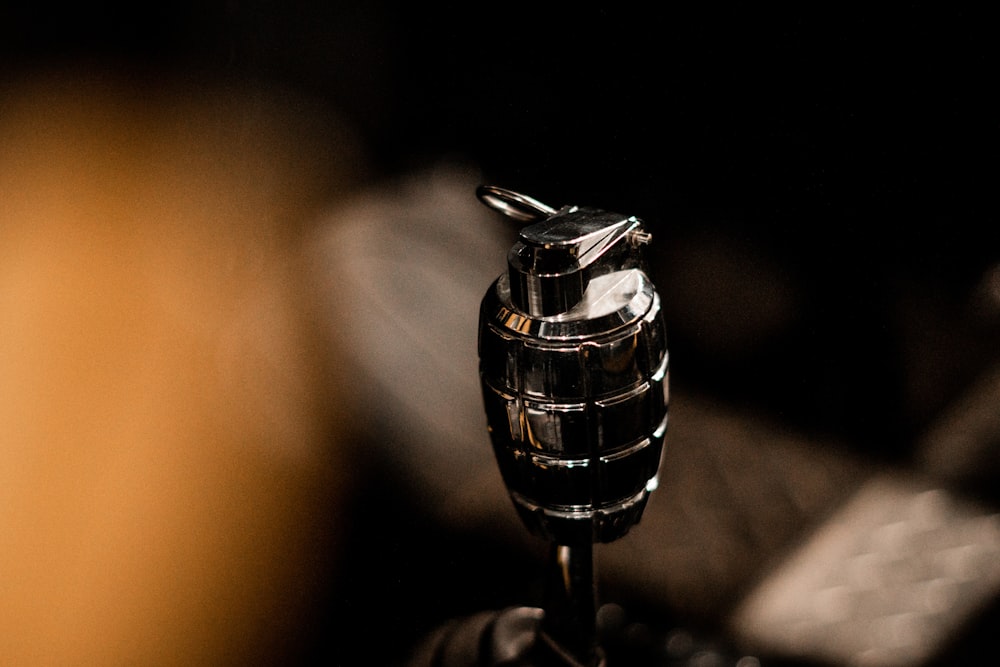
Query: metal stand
(571,603)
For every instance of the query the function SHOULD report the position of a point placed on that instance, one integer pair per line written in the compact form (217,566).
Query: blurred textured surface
(888,580)
(735,493)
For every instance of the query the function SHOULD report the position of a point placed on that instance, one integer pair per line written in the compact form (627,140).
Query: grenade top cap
(554,260)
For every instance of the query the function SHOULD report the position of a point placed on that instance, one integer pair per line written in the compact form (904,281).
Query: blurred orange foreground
(169,430)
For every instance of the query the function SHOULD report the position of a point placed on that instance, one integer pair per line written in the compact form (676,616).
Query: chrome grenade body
(574,371)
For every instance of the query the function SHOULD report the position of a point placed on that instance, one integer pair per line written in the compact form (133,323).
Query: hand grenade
(574,370)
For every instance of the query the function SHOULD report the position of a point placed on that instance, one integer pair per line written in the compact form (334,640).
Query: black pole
(571,603)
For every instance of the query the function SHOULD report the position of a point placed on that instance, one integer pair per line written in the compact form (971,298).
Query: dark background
(853,150)
(856,149)
(839,163)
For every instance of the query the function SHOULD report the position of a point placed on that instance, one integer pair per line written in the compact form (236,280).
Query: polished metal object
(574,370)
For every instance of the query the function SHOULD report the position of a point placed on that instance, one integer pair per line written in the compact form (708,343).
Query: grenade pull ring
(513,204)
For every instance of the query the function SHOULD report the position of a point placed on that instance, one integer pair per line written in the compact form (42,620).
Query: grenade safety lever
(574,373)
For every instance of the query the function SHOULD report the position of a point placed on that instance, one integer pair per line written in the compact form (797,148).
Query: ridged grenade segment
(577,410)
